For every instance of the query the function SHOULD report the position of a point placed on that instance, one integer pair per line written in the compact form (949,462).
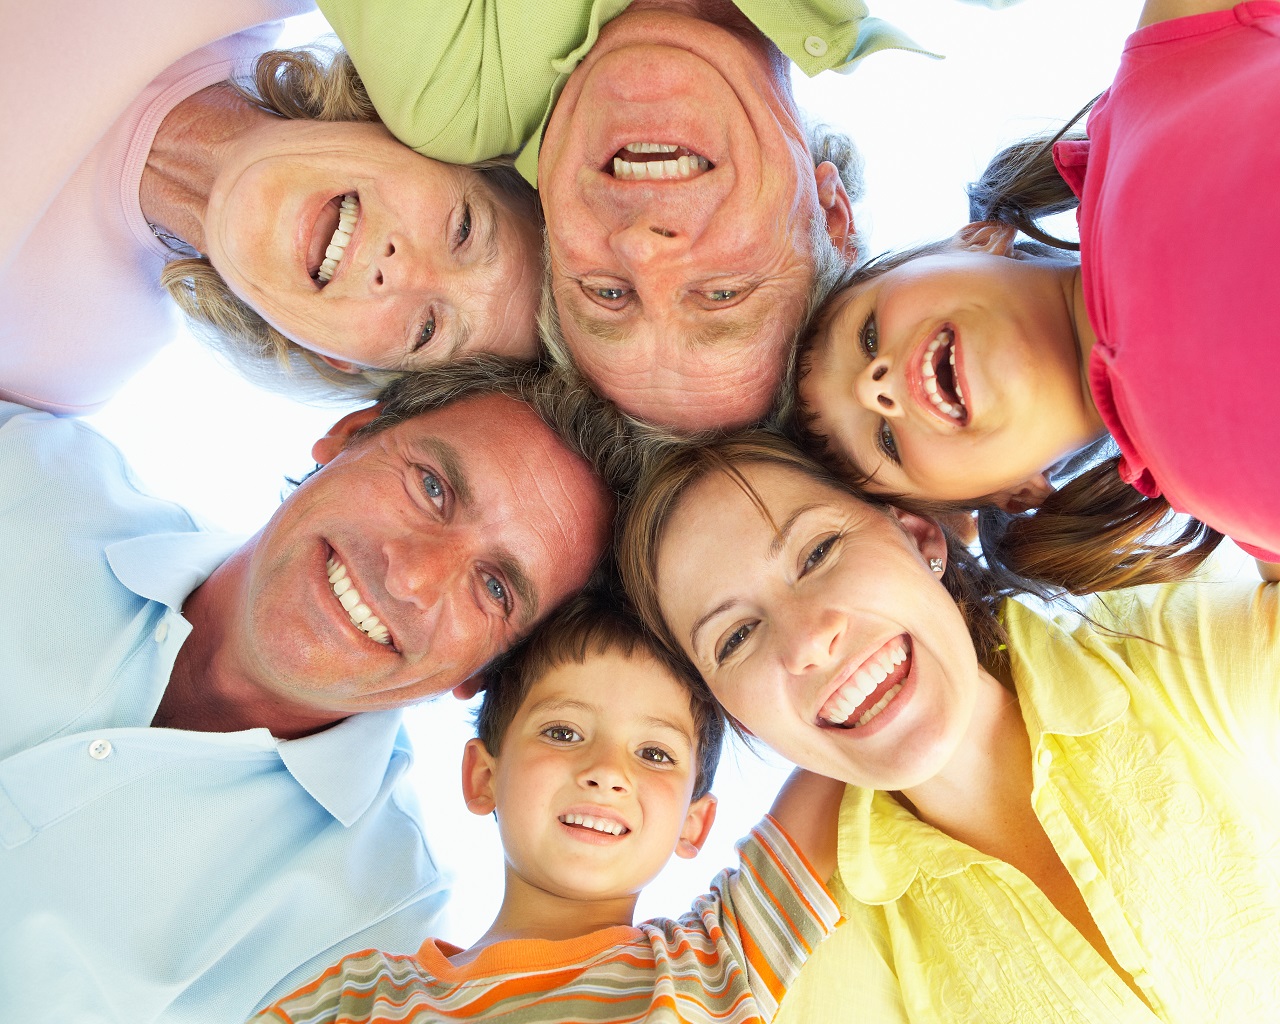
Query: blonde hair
(305,84)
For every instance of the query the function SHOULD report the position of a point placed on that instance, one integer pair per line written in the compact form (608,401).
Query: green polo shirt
(469,80)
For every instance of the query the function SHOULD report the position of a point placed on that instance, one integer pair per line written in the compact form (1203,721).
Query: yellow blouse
(1157,777)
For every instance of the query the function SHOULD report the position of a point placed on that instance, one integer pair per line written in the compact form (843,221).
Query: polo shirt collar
(342,767)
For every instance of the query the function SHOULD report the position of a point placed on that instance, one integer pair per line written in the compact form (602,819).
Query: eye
(562,734)
(610,294)
(733,641)
(498,591)
(427,332)
(722,294)
(655,754)
(433,487)
(869,337)
(886,443)
(464,227)
(819,554)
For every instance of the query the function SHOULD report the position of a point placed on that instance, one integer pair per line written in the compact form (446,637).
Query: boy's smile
(594,781)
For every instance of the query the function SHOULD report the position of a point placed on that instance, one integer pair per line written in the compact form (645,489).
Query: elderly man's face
(679,288)
(456,531)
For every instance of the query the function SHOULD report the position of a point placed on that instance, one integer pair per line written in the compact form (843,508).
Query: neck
(1073,294)
(529,912)
(726,15)
(212,687)
(186,156)
(982,796)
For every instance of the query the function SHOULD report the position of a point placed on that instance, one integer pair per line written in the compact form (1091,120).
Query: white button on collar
(100,749)
(162,631)
(816,46)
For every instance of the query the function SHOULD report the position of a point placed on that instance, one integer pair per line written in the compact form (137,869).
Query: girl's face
(827,636)
(957,375)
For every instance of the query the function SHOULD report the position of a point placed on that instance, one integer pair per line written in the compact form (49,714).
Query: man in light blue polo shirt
(194,814)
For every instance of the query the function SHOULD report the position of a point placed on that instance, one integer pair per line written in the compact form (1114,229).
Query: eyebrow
(450,463)
(572,704)
(775,549)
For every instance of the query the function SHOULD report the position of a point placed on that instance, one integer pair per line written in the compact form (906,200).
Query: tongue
(322,234)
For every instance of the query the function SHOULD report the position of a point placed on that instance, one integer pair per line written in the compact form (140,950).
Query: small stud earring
(936,564)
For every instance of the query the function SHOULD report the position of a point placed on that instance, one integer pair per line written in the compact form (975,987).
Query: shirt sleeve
(771,913)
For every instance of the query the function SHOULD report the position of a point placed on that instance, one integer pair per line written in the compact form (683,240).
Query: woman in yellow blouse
(1047,819)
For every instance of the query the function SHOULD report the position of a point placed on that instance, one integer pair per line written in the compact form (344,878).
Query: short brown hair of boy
(593,623)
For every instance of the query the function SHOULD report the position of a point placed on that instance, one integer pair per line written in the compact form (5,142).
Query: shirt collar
(342,767)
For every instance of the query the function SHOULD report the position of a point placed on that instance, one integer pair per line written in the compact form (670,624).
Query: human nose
(603,770)
(421,568)
(877,389)
(401,266)
(645,242)
(809,639)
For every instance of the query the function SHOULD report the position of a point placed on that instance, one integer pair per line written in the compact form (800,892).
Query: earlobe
(1027,496)
(697,826)
(477,778)
(838,209)
(987,236)
(326,449)
(341,365)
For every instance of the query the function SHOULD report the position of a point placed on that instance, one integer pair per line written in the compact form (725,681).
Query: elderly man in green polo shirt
(691,225)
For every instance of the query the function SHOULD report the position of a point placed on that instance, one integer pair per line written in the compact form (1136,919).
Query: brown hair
(1095,532)
(304,84)
(649,511)
(592,624)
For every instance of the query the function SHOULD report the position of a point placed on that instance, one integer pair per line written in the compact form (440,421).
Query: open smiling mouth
(360,613)
(871,688)
(938,374)
(605,826)
(657,161)
(330,237)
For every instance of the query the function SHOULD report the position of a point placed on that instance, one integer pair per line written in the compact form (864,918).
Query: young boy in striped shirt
(596,752)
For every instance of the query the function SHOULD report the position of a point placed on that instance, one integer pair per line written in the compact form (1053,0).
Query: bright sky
(197,434)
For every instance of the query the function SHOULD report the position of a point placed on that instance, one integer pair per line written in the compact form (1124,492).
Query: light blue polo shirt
(160,874)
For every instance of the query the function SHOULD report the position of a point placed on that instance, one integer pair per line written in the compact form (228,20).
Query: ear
(986,236)
(468,688)
(697,825)
(835,203)
(478,767)
(326,449)
(341,365)
(925,534)
(1028,495)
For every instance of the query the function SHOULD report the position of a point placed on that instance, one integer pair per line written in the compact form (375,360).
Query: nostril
(885,400)
(879,372)
(391,249)
(378,278)
(663,232)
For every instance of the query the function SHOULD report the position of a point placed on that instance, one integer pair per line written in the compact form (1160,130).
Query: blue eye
(497,590)
(432,486)
(722,295)
(426,334)
(869,337)
(611,294)
(464,227)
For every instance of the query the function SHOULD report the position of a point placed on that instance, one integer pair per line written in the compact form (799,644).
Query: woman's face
(828,636)
(427,263)
(955,376)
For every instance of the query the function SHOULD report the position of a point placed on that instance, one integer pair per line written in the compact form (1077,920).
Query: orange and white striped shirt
(728,961)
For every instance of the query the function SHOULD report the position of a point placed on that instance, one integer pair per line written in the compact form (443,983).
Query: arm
(808,809)
(1166,10)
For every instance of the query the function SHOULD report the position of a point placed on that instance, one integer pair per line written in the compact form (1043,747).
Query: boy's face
(593,786)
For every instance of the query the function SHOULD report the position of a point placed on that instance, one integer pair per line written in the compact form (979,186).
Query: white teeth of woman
(879,705)
(864,682)
(348,213)
(604,825)
(359,612)
(931,377)
(684,166)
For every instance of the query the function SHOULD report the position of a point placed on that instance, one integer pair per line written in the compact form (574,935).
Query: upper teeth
(846,700)
(595,824)
(347,215)
(684,166)
(930,376)
(361,614)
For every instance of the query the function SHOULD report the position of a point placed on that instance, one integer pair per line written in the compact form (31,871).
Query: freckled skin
(744,226)
(404,262)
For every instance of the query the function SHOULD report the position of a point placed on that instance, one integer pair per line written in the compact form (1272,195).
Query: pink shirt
(1179,188)
(85,86)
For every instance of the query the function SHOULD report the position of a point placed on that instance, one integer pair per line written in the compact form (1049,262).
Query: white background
(197,434)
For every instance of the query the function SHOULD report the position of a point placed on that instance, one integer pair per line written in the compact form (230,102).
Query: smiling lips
(348,211)
(658,161)
(594,823)
(360,613)
(939,378)
(871,688)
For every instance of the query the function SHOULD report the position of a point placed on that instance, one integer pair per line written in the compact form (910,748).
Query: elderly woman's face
(829,637)
(425,263)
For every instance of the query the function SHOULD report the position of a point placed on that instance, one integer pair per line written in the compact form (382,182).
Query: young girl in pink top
(984,370)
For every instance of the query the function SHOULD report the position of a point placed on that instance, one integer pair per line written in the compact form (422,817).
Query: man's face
(679,194)
(455,531)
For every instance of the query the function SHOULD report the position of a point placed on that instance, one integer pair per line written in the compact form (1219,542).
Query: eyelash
(869,337)
(550,730)
(663,758)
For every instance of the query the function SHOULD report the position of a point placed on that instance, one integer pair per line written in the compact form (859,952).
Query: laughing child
(596,752)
